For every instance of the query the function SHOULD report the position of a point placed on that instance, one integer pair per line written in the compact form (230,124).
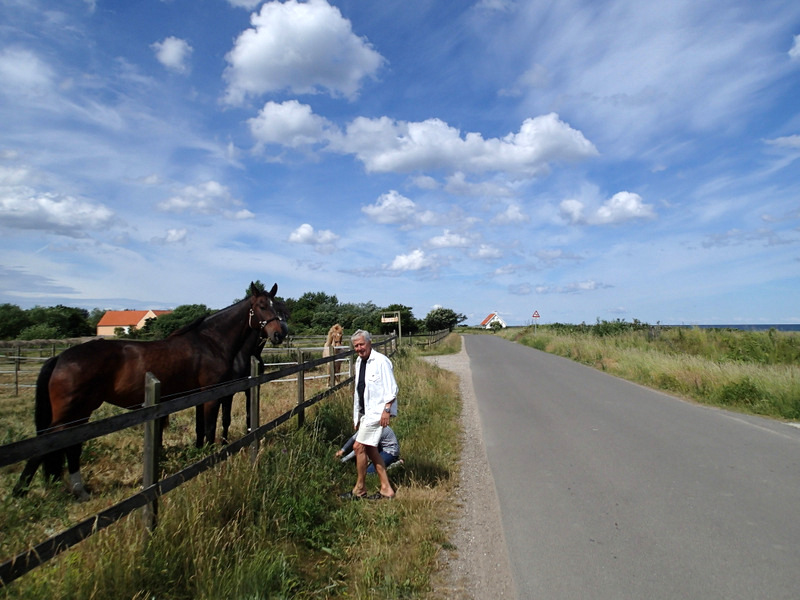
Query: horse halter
(261,324)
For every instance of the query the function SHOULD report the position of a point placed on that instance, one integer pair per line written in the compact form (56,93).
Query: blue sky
(585,159)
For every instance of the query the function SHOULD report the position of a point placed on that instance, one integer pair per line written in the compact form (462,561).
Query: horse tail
(43,413)
(43,418)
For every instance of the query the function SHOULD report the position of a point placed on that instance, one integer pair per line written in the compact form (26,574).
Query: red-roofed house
(492,318)
(126,319)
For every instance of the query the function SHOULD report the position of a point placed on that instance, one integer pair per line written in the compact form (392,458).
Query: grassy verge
(449,345)
(754,372)
(276,529)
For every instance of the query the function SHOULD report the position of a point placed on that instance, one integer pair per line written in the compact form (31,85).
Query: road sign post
(535,316)
(394,317)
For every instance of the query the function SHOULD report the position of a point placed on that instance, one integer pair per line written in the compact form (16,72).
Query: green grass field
(274,529)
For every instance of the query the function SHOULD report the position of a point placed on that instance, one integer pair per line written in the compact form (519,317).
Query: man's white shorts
(369,434)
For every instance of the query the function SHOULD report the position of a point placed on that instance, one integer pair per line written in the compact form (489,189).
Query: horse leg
(26,477)
(76,486)
(211,410)
(199,425)
(247,405)
(227,404)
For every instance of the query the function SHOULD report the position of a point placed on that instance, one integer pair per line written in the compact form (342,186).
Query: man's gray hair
(361,333)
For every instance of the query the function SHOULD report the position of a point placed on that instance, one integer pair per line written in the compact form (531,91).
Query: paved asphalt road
(609,490)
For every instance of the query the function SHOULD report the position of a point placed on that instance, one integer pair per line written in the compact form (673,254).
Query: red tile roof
(126,318)
(489,318)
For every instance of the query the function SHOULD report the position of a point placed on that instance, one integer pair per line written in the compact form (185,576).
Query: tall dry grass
(755,372)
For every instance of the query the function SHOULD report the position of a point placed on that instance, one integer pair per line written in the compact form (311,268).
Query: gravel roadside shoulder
(478,566)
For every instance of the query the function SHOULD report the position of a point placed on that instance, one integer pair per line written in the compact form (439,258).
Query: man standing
(374,403)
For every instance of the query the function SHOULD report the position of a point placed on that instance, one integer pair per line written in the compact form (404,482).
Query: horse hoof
(80,493)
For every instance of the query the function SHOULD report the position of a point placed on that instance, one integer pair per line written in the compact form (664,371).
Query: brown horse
(75,383)
(206,415)
(335,335)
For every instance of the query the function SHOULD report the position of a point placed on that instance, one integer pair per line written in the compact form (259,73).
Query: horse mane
(193,325)
(197,322)
(281,309)
(279,306)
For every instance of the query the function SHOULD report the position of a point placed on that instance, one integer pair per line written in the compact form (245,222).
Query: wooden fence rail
(427,339)
(15,452)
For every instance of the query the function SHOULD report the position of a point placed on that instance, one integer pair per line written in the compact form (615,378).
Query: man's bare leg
(380,469)
(360,488)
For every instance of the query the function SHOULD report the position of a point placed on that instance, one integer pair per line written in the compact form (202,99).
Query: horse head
(335,335)
(268,314)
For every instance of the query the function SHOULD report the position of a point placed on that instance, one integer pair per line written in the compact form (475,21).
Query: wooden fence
(20,365)
(150,414)
(426,340)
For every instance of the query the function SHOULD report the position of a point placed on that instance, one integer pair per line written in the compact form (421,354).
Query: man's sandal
(351,496)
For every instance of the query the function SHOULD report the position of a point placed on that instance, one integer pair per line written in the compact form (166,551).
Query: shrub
(743,392)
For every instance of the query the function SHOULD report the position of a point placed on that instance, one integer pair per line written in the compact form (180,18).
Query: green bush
(743,392)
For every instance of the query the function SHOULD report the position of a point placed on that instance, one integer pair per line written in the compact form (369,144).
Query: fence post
(351,366)
(16,370)
(152,438)
(301,388)
(254,407)
(332,368)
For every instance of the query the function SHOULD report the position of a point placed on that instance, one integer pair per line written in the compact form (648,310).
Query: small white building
(492,318)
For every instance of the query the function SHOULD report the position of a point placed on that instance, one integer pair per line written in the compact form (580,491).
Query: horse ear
(273,291)
(253,289)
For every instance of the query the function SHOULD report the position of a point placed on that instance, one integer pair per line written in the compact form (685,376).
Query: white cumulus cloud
(392,208)
(303,47)
(487,252)
(22,71)
(385,145)
(413,261)
(512,214)
(172,236)
(289,124)
(24,208)
(457,184)
(173,53)
(621,207)
(208,198)
(448,239)
(306,234)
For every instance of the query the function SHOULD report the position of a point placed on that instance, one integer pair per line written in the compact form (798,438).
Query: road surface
(608,490)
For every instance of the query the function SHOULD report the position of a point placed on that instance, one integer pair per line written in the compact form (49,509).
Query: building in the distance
(492,318)
(126,320)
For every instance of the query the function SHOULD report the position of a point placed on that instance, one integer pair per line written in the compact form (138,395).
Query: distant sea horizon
(749,327)
(743,327)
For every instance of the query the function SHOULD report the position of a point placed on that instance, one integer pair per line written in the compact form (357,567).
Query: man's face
(362,347)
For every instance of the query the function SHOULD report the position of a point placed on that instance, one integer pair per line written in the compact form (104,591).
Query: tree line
(313,313)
